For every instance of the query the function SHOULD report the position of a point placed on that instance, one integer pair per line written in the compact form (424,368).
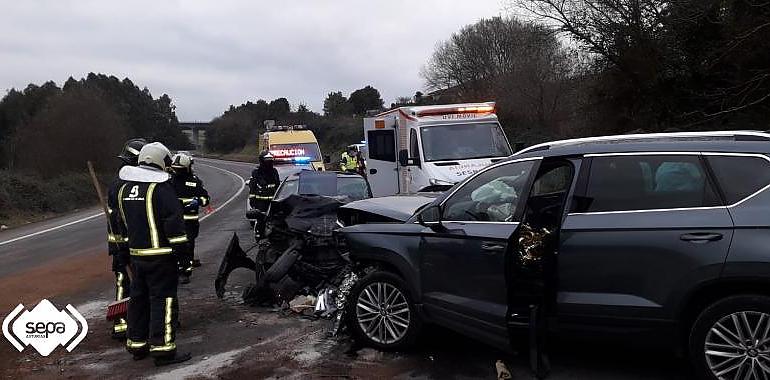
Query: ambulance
(430,148)
(293,145)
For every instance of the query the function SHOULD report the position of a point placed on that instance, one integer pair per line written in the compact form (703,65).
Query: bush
(32,195)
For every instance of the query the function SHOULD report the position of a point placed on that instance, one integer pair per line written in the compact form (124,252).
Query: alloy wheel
(383,313)
(738,346)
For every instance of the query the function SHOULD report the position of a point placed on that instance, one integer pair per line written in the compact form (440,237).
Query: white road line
(236,163)
(243,185)
(51,229)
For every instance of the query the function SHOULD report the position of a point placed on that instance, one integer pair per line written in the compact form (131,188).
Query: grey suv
(660,235)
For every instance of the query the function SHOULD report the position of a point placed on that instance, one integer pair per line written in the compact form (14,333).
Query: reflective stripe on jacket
(152,216)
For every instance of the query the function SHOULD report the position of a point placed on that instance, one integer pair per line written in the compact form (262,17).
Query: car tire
(716,327)
(391,324)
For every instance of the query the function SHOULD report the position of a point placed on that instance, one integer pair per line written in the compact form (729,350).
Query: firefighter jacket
(263,184)
(152,216)
(117,239)
(188,188)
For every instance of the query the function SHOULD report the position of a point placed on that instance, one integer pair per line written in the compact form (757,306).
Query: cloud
(207,55)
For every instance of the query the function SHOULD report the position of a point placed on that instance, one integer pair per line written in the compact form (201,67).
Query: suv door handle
(701,237)
(492,247)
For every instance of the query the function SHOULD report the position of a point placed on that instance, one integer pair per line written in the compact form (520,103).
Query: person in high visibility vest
(349,160)
(117,240)
(152,216)
(264,181)
(189,188)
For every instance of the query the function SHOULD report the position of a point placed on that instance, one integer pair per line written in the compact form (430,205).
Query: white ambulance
(430,148)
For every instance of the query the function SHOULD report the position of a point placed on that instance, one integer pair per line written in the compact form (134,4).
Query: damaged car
(660,238)
(298,253)
(284,171)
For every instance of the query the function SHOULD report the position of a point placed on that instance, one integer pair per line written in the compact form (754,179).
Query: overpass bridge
(192,130)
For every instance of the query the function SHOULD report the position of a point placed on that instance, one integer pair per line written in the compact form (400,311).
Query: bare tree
(684,63)
(521,65)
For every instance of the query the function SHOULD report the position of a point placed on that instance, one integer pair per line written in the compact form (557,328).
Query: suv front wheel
(731,339)
(381,313)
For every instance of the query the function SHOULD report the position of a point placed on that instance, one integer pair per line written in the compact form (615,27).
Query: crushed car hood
(397,207)
(314,214)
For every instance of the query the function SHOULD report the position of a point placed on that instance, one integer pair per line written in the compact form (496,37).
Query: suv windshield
(473,140)
(309,151)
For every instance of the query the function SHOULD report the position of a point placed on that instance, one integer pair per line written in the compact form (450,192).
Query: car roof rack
(678,136)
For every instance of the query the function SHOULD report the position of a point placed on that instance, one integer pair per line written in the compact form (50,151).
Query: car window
(492,196)
(382,145)
(647,182)
(289,187)
(414,150)
(555,180)
(740,176)
(317,183)
(353,187)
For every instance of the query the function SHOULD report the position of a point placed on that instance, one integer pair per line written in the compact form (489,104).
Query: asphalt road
(64,260)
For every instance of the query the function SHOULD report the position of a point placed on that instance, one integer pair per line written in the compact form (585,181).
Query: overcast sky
(209,54)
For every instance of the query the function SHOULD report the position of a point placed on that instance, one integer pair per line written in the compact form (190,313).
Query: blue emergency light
(301,160)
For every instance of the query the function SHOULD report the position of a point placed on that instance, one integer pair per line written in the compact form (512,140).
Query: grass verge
(26,198)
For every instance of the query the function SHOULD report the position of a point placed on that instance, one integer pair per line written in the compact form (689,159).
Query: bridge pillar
(196,137)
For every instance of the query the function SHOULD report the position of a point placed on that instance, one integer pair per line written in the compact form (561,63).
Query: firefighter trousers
(122,285)
(185,264)
(153,312)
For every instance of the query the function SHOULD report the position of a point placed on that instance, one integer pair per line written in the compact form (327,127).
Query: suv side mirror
(430,216)
(327,159)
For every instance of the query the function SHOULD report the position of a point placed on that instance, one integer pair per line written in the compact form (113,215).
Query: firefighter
(193,196)
(264,181)
(349,160)
(152,216)
(116,236)
(262,186)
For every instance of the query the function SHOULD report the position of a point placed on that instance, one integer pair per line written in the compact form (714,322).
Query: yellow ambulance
(293,145)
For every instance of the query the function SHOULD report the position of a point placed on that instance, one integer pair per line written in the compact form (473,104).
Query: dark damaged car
(657,237)
(298,251)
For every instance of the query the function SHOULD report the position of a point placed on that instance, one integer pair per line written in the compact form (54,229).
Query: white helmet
(155,155)
(181,161)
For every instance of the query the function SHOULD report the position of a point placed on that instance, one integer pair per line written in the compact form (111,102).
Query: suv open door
(531,258)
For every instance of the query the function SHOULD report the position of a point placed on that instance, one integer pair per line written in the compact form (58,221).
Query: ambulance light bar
(457,110)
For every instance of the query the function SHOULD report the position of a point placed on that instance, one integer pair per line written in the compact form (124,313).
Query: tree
(402,101)
(521,65)
(672,63)
(74,127)
(365,99)
(279,108)
(336,105)
(229,133)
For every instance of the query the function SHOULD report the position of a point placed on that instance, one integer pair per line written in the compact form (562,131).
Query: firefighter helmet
(266,157)
(131,150)
(181,161)
(155,155)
